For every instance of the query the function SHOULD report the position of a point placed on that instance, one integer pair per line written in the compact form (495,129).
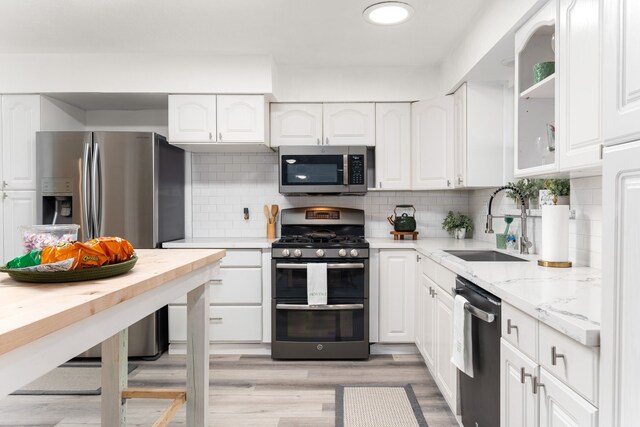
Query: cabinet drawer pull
(215,282)
(430,291)
(318,140)
(220,136)
(555,356)
(210,135)
(327,140)
(536,385)
(213,319)
(524,375)
(510,327)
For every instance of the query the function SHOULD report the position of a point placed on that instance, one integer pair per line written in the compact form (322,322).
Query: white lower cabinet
(397,290)
(18,209)
(562,407)
(425,330)
(518,404)
(545,391)
(235,312)
(446,372)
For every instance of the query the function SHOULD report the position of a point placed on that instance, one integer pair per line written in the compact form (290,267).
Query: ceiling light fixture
(388,13)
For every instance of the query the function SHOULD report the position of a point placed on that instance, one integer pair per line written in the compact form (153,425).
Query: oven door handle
(337,266)
(319,307)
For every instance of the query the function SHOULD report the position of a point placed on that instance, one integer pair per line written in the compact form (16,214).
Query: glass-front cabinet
(536,86)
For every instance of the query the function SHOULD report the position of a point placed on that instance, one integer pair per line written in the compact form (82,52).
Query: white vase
(460,233)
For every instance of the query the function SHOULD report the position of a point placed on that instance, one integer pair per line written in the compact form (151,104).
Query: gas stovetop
(316,247)
(326,241)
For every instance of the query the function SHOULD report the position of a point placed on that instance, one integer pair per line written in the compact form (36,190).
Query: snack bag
(93,253)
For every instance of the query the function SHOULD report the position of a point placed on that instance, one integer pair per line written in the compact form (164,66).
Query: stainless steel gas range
(339,329)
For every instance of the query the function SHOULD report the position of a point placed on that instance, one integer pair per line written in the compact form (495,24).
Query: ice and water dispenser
(57,201)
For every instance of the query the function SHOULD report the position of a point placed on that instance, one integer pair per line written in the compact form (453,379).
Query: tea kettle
(403,221)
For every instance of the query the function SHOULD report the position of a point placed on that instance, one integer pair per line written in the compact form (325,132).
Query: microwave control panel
(356,170)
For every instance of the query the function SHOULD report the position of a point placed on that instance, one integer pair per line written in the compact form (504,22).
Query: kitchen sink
(485,256)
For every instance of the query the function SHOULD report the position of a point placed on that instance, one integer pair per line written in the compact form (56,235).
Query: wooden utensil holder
(271,231)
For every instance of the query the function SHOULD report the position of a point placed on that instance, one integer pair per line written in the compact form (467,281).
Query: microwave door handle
(345,169)
(306,307)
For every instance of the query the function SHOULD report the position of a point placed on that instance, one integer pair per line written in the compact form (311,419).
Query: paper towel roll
(555,233)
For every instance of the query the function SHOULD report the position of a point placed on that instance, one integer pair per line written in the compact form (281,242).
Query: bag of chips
(76,255)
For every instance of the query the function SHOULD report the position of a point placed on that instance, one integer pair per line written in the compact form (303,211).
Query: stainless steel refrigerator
(126,184)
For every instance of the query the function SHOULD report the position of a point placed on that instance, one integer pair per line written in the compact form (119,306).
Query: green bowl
(542,70)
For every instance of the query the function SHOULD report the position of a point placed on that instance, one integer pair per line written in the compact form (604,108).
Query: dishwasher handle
(475,311)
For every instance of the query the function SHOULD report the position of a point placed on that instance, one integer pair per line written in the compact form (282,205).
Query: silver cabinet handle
(220,136)
(215,282)
(380,184)
(448,183)
(555,356)
(459,180)
(214,319)
(318,140)
(327,140)
(536,385)
(305,307)
(5,196)
(210,135)
(510,327)
(337,266)
(524,375)
(4,184)
(418,258)
(430,291)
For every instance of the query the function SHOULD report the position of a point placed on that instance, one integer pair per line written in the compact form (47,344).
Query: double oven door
(339,330)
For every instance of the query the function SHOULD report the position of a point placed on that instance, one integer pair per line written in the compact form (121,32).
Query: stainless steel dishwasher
(480,395)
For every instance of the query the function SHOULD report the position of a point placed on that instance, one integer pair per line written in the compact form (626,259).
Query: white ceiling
(295,32)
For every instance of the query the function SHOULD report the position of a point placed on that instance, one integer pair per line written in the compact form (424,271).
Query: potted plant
(556,192)
(457,224)
(530,189)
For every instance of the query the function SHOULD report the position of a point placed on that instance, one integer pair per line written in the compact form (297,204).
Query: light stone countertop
(568,300)
(220,243)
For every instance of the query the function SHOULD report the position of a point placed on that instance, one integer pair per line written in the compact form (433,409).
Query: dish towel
(317,284)
(462,351)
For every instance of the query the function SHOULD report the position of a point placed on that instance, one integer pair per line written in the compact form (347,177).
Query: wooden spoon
(274,212)
(266,214)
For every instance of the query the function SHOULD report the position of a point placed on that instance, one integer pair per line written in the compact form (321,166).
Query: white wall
(224,184)
(56,115)
(492,23)
(585,231)
(341,84)
(128,120)
(135,73)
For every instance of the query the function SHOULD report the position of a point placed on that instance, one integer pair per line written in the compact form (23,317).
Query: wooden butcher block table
(45,325)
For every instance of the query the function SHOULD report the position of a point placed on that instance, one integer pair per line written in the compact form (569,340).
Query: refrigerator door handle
(96,185)
(87,230)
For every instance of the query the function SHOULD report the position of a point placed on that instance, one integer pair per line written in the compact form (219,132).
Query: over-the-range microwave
(307,170)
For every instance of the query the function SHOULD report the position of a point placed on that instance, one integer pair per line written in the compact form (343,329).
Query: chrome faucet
(525,243)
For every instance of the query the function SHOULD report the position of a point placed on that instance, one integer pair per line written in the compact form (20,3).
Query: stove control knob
(354,252)
(342,252)
(320,253)
(297,253)
(285,253)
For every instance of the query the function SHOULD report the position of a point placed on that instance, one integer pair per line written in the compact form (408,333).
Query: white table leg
(198,357)
(114,379)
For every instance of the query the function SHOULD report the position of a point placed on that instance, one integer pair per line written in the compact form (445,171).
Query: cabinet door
(20,122)
(518,404)
(621,73)
(432,144)
(240,118)
(192,118)
(349,124)
(579,130)
(446,372)
(393,146)
(397,290)
(620,345)
(18,209)
(296,124)
(562,407)
(429,321)
(418,328)
(460,136)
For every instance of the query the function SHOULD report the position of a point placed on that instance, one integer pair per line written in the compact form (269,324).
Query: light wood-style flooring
(245,391)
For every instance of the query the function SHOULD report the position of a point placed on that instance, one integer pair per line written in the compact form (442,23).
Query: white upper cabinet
(478,135)
(296,124)
(535,102)
(621,73)
(579,130)
(192,118)
(349,124)
(241,118)
(432,144)
(20,122)
(393,146)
